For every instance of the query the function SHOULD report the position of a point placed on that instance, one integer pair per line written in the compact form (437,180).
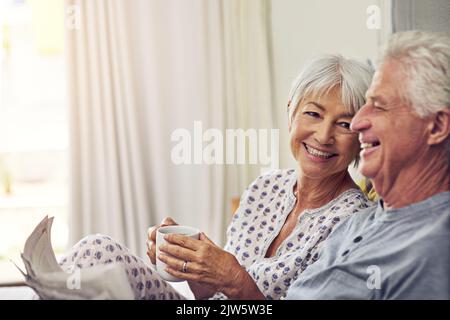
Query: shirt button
(357,239)
(345,252)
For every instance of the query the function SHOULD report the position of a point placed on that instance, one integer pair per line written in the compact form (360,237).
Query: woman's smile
(317,155)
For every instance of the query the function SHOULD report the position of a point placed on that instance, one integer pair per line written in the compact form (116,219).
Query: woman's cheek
(295,147)
(350,148)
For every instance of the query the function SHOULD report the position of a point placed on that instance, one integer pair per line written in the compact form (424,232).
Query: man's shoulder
(421,270)
(434,233)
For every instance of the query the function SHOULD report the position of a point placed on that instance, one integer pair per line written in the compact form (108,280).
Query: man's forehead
(385,81)
(375,87)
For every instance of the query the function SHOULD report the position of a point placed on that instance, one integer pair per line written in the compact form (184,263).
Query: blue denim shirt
(384,254)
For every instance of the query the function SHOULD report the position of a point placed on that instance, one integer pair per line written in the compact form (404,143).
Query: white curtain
(141,69)
(108,178)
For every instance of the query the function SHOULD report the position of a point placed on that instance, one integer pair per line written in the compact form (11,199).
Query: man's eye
(378,107)
(312,114)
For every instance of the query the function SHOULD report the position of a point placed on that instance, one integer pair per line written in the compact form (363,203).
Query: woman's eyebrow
(316,104)
(346,115)
(342,115)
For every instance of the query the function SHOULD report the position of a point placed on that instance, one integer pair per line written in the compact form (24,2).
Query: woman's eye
(345,125)
(312,114)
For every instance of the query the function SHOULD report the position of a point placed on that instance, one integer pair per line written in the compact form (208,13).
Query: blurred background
(34,135)
(92,90)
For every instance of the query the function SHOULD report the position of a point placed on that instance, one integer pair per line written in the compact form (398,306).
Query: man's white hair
(425,61)
(328,72)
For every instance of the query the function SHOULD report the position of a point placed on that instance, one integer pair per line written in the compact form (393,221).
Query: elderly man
(400,249)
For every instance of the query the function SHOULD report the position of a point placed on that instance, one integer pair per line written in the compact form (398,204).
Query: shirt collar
(424,207)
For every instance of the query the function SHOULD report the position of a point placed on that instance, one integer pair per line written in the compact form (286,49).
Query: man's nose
(360,122)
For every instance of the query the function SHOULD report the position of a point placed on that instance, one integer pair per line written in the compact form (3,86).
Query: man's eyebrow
(376,98)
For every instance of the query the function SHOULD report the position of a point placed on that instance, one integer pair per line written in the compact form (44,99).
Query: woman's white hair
(328,72)
(425,58)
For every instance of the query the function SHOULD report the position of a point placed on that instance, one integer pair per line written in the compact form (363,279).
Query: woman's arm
(245,288)
(201,291)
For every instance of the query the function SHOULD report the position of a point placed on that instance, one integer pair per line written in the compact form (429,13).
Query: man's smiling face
(392,135)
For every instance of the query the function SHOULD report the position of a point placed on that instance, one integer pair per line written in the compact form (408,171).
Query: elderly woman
(284,216)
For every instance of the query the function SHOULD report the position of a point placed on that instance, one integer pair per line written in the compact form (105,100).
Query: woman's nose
(325,134)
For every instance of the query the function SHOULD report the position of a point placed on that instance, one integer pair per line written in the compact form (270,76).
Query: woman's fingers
(151,232)
(151,237)
(183,241)
(168,222)
(179,252)
(177,264)
(183,275)
(151,251)
(208,265)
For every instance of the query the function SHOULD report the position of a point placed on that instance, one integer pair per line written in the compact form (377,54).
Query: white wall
(304,28)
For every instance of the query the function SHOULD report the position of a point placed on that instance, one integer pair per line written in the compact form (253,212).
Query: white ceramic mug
(184,230)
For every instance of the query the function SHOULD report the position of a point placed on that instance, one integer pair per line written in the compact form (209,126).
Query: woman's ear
(440,127)
(289,116)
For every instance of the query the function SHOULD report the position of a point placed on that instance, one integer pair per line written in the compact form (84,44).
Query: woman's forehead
(328,102)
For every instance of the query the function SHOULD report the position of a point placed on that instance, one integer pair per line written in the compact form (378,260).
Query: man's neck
(421,181)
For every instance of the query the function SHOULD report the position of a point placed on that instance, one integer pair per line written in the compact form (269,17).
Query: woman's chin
(315,163)
(313,171)
(319,170)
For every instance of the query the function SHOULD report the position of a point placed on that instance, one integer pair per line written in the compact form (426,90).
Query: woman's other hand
(151,237)
(207,264)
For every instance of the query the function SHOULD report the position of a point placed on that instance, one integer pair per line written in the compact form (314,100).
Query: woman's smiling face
(320,135)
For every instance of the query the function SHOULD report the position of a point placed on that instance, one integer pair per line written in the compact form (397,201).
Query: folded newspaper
(50,281)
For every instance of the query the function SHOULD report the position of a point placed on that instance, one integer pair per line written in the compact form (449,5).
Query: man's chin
(367,171)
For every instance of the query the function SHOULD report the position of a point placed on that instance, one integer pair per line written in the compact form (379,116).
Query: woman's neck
(315,193)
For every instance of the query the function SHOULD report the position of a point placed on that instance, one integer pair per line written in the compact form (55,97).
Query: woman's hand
(208,265)
(151,237)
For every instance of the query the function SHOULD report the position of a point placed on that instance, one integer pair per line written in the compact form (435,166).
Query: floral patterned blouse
(263,209)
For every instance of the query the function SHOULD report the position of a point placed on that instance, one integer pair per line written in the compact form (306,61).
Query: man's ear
(440,127)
